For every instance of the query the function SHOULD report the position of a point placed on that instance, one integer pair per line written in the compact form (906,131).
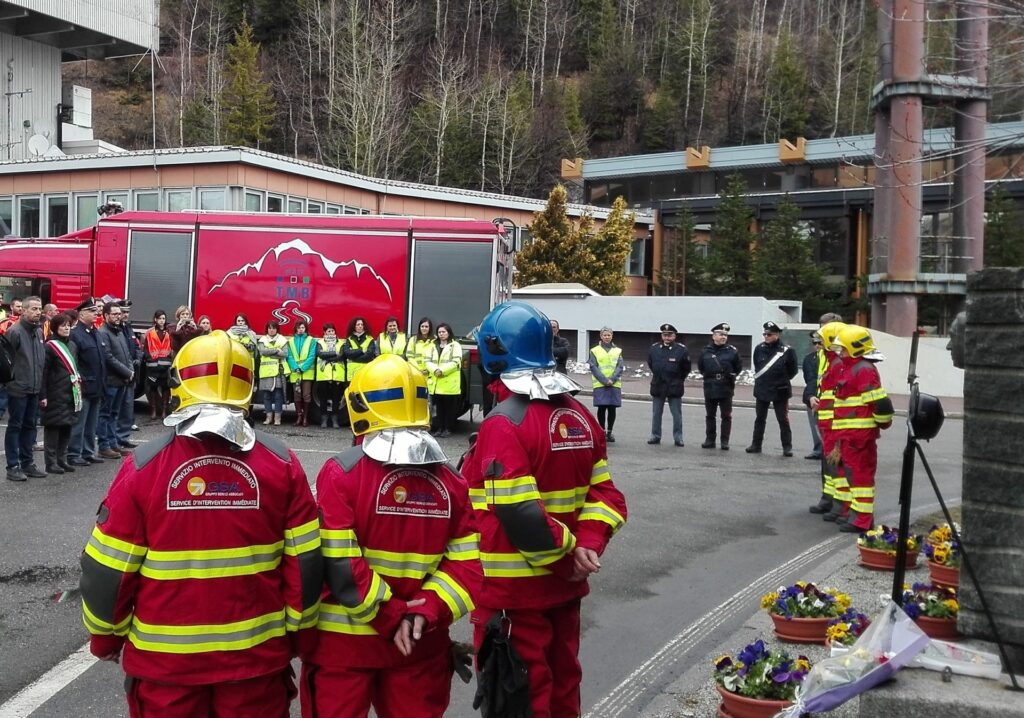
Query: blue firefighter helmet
(513,337)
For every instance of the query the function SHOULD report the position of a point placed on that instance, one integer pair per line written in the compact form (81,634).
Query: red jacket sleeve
(110,565)
(301,565)
(604,509)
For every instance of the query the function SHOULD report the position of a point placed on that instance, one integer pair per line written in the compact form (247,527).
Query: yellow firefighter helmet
(829,332)
(387,393)
(855,340)
(212,369)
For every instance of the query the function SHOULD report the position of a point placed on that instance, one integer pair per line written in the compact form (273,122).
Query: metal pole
(969,138)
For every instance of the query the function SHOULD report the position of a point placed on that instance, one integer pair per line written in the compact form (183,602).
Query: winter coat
(91,353)
(669,365)
(719,366)
(118,359)
(60,402)
(774,384)
(809,367)
(180,336)
(560,348)
(26,341)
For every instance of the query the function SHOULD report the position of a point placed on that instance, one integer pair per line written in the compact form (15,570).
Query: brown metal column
(905,138)
(883,182)
(969,129)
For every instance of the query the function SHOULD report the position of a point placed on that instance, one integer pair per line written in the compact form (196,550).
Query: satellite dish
(37,145)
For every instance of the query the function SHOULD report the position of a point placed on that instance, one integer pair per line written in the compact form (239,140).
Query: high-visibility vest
(352,367)
(606,362)
(397,347)
(330,370)
(271,366)
(449,360)
(158,350)
(303,357)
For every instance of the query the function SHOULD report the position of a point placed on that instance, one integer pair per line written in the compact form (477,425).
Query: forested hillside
(492,94)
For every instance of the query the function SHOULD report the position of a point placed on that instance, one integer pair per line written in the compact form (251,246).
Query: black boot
(709,442)
(324,419)
(54,469)
(726,431)
(68,468)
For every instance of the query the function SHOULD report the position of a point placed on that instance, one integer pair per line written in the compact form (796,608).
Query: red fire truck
(317,268)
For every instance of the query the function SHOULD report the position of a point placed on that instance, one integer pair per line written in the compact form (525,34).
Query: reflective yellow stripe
(882,418)
(98,627)
(448,590)
(295,620)
(850,402)
(339,543)
(301,539)
(378,592)
(466,548)
(859,423)
(401,565)
(600,511)
(214,563)
(235,636)
(544,558)
(478,499)
(336,619)
(508,565)
(829,487)
(114,553)
(566,501)
(511,491)
(824,414)
(600,473)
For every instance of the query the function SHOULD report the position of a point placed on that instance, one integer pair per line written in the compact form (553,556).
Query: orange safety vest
(156,347)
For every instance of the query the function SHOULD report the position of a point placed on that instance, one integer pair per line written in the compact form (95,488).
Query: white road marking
(623,696)
(29,698)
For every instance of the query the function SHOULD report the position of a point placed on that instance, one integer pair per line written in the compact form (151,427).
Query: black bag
(502,684)
(6,360)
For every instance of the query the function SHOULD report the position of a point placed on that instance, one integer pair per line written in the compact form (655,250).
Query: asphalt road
(708,532)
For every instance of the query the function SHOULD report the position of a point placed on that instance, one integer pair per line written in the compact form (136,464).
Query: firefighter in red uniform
(204,565)
(835,489)
(860,410)
(401,560)
(544,505)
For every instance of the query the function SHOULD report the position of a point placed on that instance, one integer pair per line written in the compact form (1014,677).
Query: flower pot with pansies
(943,552)
(758,682)
(934,609)
(801,612)
(877,548)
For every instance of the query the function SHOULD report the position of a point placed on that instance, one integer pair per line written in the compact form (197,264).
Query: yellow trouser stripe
(236,636)
(115,553)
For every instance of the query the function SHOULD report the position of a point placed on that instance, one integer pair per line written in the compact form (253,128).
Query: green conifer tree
(610,247)
(788,90)
(557,251)
(728,263)
(247,100)
(1004,231)
(660,122)
(784,266)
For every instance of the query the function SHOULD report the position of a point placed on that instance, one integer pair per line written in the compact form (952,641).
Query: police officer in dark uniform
(774,367)
(719,363)
(670,364)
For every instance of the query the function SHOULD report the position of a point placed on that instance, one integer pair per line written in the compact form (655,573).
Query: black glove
(462,660)
(502,684)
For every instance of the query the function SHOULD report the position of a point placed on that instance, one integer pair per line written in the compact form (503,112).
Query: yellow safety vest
(449,361)
(352,367)
(300,359)
(386,347)
(606,362)
(416,352)
(272,366)
(330,370)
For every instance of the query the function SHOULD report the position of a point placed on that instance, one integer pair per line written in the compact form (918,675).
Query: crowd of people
(77,372)
(211,565)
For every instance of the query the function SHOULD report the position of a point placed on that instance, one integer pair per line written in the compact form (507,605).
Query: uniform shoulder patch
(275,445)
(348,458)
(513,408)
(148,451)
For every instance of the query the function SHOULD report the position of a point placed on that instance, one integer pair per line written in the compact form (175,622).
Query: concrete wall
(993,484)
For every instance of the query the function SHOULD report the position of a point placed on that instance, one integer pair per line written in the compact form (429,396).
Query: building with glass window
(830,179)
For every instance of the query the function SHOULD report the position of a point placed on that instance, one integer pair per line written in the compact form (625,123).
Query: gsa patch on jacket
(413,492)
(567,430)
(213,482)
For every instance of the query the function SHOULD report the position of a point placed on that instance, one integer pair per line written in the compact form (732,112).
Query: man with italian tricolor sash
(204,566)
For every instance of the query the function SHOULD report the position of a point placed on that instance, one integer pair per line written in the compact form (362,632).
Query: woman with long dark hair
(445,364)
(273,350)
(156,353)
(330,376)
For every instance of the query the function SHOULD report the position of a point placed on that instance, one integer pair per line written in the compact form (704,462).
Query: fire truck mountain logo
(304,249)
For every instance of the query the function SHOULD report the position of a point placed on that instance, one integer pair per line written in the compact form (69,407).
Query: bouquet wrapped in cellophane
(889,643)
